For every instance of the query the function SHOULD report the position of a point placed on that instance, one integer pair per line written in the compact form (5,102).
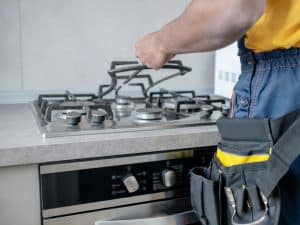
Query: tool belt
(240,187)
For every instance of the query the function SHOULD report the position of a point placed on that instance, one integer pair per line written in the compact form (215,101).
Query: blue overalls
(269,87)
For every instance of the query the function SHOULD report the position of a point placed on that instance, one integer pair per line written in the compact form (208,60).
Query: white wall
(227,70)
(10,60)
(53,45)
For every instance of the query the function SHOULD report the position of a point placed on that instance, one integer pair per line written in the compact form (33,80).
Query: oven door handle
(183,218)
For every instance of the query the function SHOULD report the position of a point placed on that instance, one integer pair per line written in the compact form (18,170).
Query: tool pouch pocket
(205,196)
(244,202)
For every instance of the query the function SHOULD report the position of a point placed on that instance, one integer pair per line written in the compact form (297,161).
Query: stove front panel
(97,184)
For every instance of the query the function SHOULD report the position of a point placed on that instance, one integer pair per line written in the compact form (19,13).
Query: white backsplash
(53,45)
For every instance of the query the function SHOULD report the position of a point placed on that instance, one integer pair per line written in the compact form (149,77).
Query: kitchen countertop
(21,141)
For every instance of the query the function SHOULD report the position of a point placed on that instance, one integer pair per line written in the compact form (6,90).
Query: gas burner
(97,116)
(173,105)
(120,114)
(73,118)
(206,111)
(123,103)
(123,100)
(149,114)
(71,110)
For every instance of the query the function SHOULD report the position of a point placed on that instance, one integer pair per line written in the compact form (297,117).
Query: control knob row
(132,185)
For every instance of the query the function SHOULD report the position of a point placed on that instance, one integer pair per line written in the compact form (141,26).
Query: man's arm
(204,26)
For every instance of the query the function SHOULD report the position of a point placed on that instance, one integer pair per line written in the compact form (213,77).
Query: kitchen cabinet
(19,195)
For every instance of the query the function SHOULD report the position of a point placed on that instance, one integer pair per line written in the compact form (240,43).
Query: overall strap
(284,153)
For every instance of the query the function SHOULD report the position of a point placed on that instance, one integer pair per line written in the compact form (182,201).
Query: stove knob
(131,183)
(73,118)
(98,116)
(169,178)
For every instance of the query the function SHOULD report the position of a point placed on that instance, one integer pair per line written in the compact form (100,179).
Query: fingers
(148,64)
(171,57)
(154,61)
(148,52)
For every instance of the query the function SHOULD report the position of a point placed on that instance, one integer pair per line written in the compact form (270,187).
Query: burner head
(181,104)
(149,113)
(73,118)
(206,111)
(124,103)
(123,113)
(99,112)
(123,100)
(98,116)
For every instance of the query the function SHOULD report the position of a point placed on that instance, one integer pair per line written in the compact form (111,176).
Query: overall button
(244,102)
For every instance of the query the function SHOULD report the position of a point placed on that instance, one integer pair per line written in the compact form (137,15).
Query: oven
(134,189)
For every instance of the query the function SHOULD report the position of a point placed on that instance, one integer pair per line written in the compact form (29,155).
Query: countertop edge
(105,148)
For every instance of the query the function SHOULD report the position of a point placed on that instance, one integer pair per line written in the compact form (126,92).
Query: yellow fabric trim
(229,159)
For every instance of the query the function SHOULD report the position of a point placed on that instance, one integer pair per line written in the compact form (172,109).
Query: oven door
(183,218)
(167,212)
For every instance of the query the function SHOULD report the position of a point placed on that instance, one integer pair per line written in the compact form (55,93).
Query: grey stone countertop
(21,141)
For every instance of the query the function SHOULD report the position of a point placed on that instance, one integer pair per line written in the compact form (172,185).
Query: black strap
(284,153)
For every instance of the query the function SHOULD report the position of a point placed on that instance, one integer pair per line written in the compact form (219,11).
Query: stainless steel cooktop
(77,114)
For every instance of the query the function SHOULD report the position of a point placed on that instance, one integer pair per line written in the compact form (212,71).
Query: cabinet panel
(19,196)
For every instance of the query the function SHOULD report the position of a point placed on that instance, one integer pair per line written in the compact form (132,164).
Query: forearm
(209,24)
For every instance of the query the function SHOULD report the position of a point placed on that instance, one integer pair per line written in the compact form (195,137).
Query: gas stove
(77,114)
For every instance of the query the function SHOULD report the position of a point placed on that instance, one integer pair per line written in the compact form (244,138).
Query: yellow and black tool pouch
(240,187)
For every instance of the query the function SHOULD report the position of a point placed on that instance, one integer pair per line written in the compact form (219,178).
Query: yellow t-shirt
(278,27)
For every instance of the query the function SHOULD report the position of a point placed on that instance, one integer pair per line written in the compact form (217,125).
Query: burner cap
(122,113)
(206,111)
(207,108)
(123,100)
(124,103)
(149,113)
(98,116)
(73,118)
(172,104)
